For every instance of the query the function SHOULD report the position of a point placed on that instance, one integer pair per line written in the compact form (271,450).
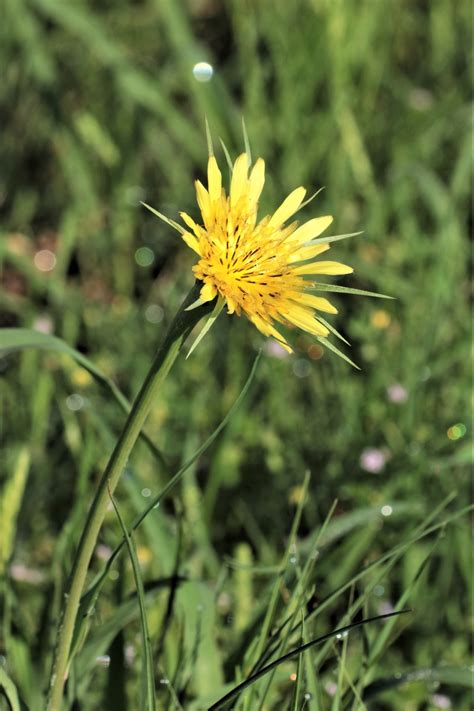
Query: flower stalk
(166,355)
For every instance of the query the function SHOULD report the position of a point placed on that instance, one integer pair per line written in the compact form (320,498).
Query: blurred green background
(101,109)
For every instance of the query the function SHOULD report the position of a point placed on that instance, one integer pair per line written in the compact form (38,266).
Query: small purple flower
(330,687)
(43,324)
(397,393)
(273,348)
(385,608)
(373,460)
(441,701)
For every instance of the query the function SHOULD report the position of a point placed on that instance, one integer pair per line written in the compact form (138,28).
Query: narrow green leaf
(382,639)
(294,653)
(299,671)
(168,220)
(332,238)
(276,588)
(101,636)
(449,675)
(90,597)
(210,147)
(208,325)
(393,554)
(310,199)
(319,286)
(246,142)
(331,328)
(327,344)
(298,594)
(10,502)
(195,305)
(148,683)
(9,691)
(227,155)
(15,339)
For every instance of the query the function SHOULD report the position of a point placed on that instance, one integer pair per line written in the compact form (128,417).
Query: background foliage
(101,110)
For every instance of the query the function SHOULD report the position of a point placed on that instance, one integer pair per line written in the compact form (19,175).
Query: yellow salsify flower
(259,268)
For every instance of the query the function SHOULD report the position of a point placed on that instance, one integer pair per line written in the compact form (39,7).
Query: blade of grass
(10,502)
(299,671)
(165,357)
(101,637)
(275,591)
(330,346)
(391,557)
(9,691)
(268,619)
(298,595)
(148,682)
(450,675)
(320,286)
(294,653)
(394,552)
(332,238)
(89,599)
(13,339)
(382,638)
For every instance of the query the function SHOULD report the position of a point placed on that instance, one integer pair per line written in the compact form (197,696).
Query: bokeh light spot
(75,402)
(380,319)
(315,352)
(45,260)
(456,431)
(203,71)
(144,256)
(154,313)
(301,368)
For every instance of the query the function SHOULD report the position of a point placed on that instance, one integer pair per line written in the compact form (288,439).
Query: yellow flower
(259,267)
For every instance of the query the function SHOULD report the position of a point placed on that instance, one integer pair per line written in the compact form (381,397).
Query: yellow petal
(190,222)
(288,207)
(208,292)
(330,268)
(308,252)
(238,183)
(311,229)
(214,179)
(230,305)
(192,242)
(304,319)
(202,197)
(256,180)
(315,302)
(268,330)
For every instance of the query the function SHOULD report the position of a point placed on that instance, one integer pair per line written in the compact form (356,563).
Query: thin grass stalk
(162,363)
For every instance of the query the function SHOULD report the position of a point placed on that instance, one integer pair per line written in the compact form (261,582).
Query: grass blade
(451,675)
(16,339)
(330,346)
(148,683)
(294,653)
(336,289)
(90,597)
(9,691)
(333,238)
(162,217)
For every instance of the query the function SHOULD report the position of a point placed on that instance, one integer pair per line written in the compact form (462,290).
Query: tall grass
(370,100)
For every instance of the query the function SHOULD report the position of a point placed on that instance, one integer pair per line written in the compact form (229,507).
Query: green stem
(164,359)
